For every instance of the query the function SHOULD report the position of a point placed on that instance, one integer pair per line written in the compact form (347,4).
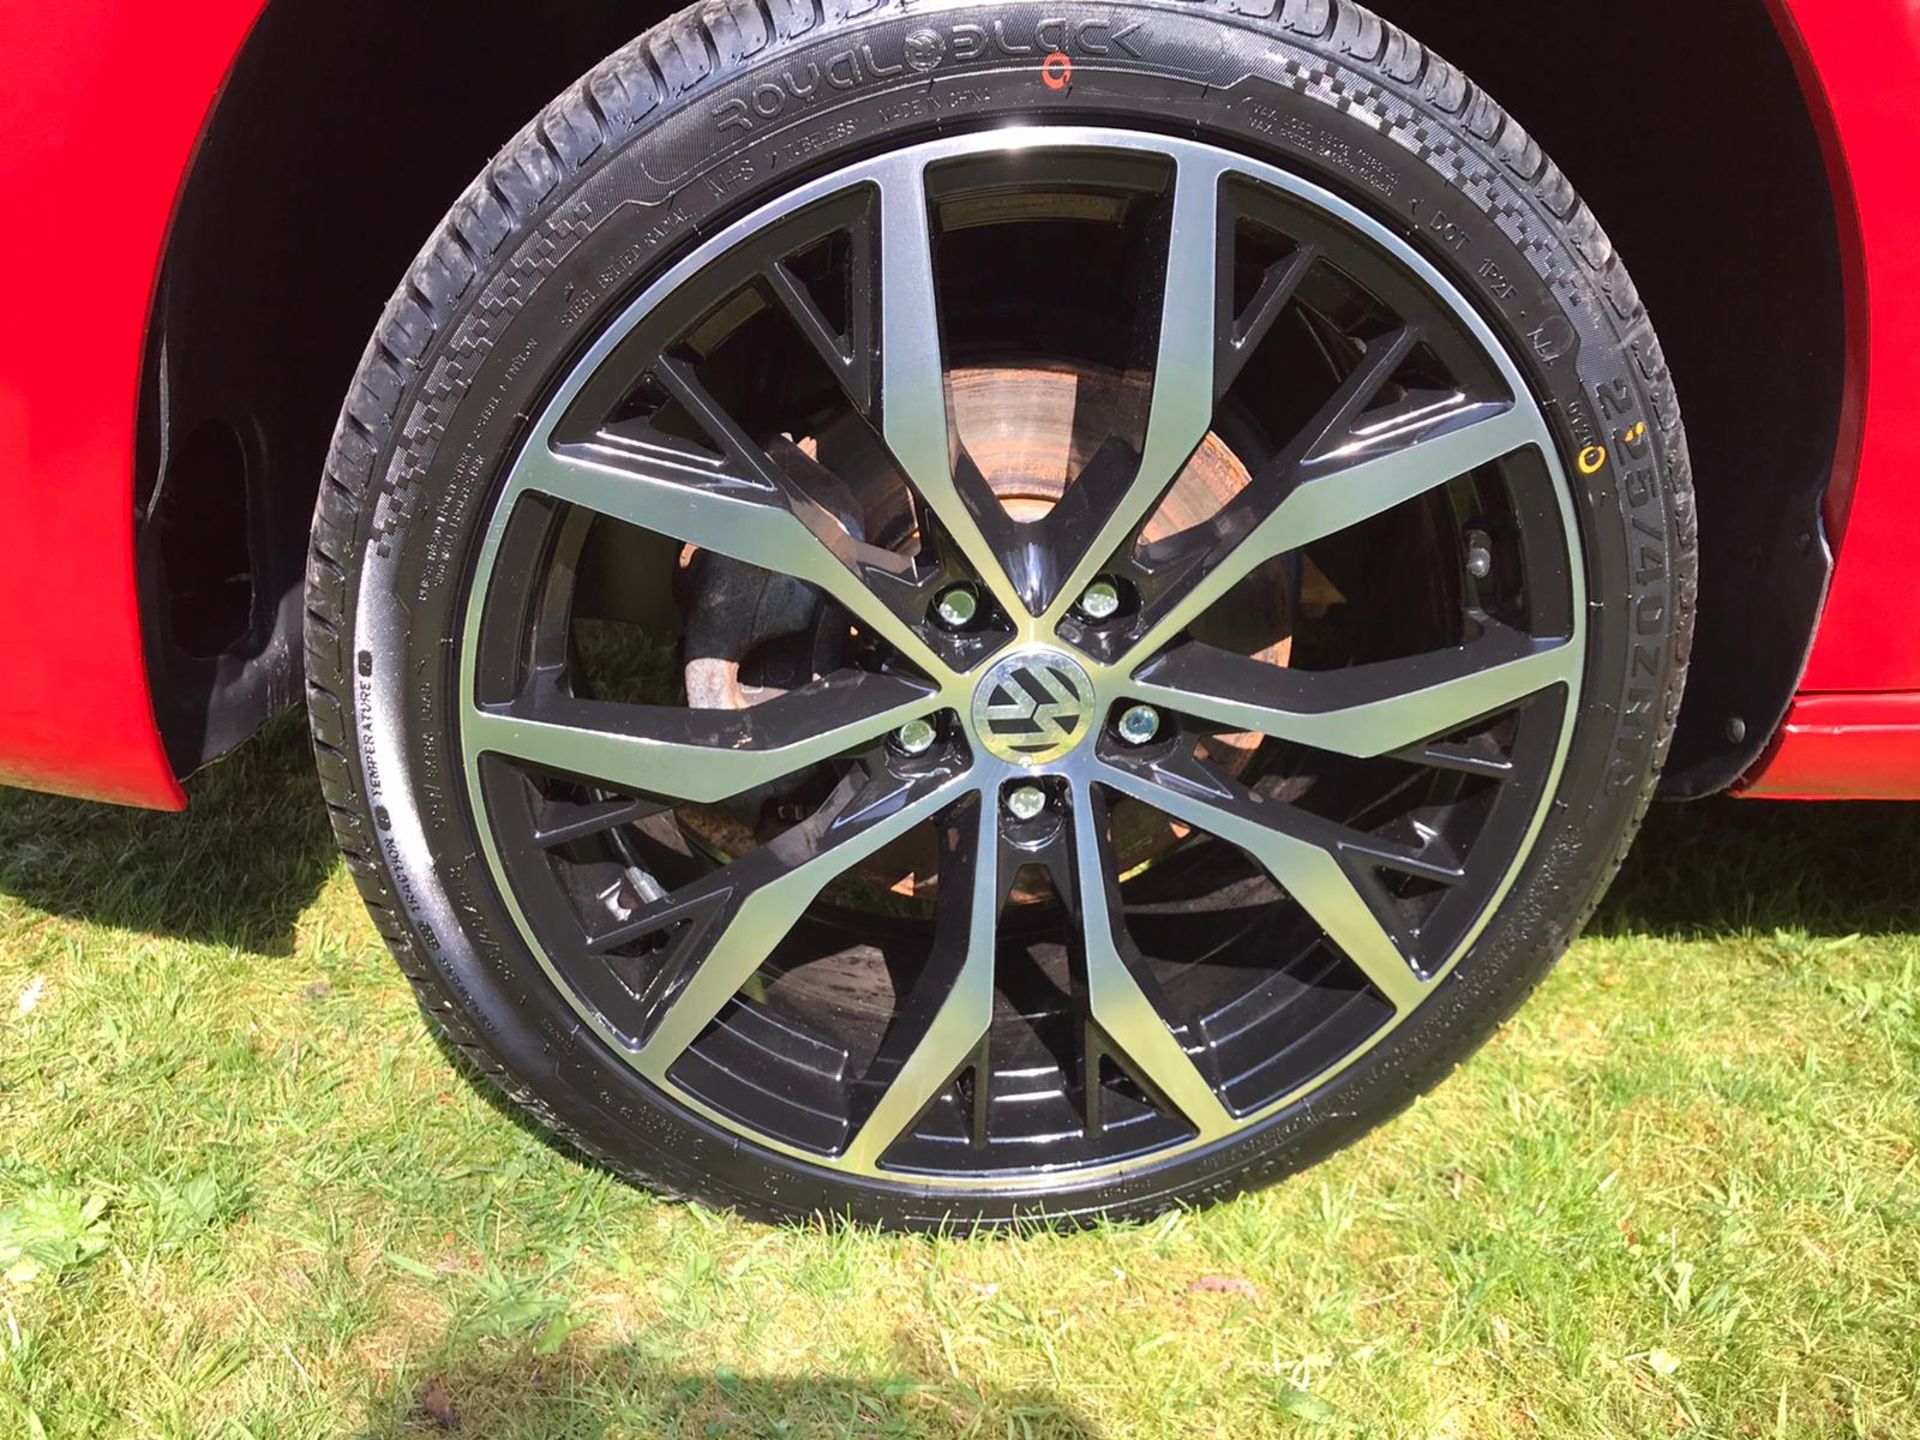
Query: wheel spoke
(1120,1006)
(1337,477)
(565,822)
(941,1025)
(1298,851)
(848,356)
(1181,410)
(763,895)
(1367,477)
(732,514)
(1365,711)
(701,756)
(913,386)
(1241,336)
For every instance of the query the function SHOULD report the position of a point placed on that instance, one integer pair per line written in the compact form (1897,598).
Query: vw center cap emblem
(1033,707)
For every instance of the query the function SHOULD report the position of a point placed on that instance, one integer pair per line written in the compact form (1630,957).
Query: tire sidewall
(894,78)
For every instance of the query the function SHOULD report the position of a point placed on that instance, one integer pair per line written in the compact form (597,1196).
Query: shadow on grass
(254,848)
(250,853)
(1721,866)
(481,1390)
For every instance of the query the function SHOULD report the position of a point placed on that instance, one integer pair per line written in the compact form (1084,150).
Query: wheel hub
(1033,708)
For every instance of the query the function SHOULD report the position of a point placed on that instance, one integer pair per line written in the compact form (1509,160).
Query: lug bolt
(1027,802)
(1101,600)
(1139,724)
(956,606)
(916,737)
(1479,555)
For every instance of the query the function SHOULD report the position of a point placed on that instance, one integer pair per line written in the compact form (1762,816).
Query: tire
(716,114)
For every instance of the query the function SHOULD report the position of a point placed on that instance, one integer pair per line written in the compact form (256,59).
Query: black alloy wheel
(1041,665)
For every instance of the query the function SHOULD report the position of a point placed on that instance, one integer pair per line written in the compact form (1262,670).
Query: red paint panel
(100,103)
(1842,740)
(1867,55)
(1845,747)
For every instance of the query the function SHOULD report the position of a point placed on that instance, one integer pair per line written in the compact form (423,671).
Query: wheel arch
(344,133)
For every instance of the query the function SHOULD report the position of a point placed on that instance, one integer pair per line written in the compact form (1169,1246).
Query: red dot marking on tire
(1056,70)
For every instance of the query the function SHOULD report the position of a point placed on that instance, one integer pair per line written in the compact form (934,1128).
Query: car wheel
(941,614)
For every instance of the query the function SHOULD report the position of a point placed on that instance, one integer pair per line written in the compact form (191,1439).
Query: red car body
(77,713)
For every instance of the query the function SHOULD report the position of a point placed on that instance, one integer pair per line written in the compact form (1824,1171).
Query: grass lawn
(243,1194)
